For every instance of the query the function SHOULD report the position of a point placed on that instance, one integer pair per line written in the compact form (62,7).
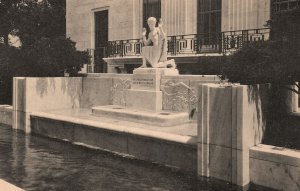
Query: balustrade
(192,44)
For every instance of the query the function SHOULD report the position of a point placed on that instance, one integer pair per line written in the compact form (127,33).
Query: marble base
(145,92)
(150,78)
(160,118)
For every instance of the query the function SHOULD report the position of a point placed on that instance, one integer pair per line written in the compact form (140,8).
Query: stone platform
(162,118)
(174,146)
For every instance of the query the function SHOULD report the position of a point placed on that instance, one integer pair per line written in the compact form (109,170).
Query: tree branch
(293,90)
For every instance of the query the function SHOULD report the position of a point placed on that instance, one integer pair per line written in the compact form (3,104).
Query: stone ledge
(108,75)
(6,108)
(275,167)
(276,154)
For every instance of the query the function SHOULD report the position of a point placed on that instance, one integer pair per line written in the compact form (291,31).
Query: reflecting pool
(38,163)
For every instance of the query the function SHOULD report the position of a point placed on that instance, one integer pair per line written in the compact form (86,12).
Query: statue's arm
(161,31)
(146,41)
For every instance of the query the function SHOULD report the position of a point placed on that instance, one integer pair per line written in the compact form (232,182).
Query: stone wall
(179,92)
(180,17)
(231,119)
(125,15)
(6,115)
(275,167)
(46,94)
(95,92)
(245,14)
(125,18)
(43,94)
(105,89)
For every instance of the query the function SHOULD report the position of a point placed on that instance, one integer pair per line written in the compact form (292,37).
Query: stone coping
(5,186)
(6,108)
(204,78)
(183,139)
(107,75)
(138,57)
(195,77)
(179,59)
(276,154)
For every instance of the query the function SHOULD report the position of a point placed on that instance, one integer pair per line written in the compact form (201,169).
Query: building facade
(111,29)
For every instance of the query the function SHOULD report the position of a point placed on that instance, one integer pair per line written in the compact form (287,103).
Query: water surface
(36,164)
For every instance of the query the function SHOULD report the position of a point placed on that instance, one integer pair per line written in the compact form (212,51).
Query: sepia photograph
(149,95)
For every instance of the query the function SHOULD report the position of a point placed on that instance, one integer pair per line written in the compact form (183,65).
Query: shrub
(46,57)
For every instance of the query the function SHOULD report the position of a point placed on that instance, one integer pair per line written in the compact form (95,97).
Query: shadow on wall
(46,88)
(282,128)
(42,86)
(72,89)
(273,123)
(259,105)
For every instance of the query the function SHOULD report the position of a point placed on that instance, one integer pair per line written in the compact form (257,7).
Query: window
(284,5)
(101,28)
(101,40)
(209,20)
(287,13)
(151,8)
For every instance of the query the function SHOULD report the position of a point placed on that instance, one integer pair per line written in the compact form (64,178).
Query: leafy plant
(45,51)
(275,61)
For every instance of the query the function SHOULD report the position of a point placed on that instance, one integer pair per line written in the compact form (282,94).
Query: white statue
(155,50)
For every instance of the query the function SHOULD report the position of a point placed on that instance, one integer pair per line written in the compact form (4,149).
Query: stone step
(162,118)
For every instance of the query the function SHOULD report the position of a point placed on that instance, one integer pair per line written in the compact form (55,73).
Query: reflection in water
(37,163)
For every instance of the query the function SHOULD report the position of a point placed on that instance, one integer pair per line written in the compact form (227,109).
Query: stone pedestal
(145,93)
(143,102)
(231,120)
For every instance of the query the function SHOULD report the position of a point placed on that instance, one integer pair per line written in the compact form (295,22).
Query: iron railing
(96,63)
(192,44)
(234,40)
(124,48)
(279,6)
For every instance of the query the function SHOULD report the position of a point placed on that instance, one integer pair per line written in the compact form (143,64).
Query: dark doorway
(151,8)
(101,40)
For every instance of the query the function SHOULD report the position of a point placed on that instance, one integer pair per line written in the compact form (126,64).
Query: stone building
(196,29)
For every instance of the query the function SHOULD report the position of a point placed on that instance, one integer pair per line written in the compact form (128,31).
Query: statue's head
(151,23)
